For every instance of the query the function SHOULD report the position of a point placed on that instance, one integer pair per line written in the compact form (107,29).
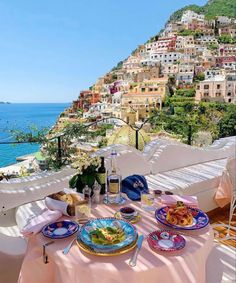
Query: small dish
(60,229)
(127,212)
(136,218)
(165,241)
(121,201)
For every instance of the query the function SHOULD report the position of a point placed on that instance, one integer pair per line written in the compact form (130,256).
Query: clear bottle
(87,193)
(114,180)
(96,192)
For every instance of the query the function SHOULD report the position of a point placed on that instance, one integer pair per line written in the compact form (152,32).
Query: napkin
(54,204)
(36,224)
(172,199)
(133,186)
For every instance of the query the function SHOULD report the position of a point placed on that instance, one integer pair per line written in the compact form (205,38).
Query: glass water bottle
(114,181)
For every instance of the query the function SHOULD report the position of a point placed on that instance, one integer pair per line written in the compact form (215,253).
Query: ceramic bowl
(127,212)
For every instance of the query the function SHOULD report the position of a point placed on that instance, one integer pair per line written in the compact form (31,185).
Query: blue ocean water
(22,116)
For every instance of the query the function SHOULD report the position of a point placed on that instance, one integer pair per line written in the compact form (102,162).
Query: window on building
(206,86)
(206,94)
(143,89)
(218,86)
(229,100)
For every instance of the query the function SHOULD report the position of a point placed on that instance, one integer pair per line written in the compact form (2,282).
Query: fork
(68,247)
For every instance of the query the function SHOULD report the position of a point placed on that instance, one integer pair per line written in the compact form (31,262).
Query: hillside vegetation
(212,9)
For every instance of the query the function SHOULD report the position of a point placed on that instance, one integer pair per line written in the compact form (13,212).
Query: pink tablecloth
(184,266)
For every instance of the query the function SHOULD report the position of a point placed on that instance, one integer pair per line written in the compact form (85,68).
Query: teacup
(127,212)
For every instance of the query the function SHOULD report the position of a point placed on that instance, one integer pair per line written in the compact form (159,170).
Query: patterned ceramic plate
(129,230)
(91,251)
(200,219)
(166,241)
(121,201)
(60,229)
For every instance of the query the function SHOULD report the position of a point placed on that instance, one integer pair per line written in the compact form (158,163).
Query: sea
(24,116)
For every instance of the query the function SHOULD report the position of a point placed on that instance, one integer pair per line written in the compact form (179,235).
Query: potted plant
(86,172)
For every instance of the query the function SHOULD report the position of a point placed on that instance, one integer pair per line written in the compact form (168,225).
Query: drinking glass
(147,201)
(82,212)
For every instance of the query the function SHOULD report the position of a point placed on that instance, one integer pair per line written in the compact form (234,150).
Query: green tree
(227,125)
(212,46)
(226,38)
(186,92)
(200,77)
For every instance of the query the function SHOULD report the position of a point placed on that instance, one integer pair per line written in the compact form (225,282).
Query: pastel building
(223,20)
(218,88)
(190,50)
(184,41)
(229,30)
(171,29)
(206,39)
(166,58)
(188,16)
(229,63)
(87,98)
(196,24)
(169,69)
(210,73)
(148,73)
(132,63)
(162,45)
(227,49)
(185,74)
(146,94)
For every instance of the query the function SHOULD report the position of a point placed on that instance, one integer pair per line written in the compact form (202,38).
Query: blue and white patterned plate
(129,229)
(200,219)
(121,201)
(60,229)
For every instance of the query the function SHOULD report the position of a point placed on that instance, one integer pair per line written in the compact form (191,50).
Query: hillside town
(192,53)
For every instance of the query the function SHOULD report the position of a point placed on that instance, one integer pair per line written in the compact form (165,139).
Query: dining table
(182,266)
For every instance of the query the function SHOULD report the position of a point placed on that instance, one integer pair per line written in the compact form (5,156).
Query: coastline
(22,116)
(23,161)
(16,167)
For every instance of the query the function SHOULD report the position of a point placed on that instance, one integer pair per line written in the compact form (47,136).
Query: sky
(50,50)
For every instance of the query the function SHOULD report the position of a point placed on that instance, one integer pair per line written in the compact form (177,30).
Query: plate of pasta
(182,217)
(108,234)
